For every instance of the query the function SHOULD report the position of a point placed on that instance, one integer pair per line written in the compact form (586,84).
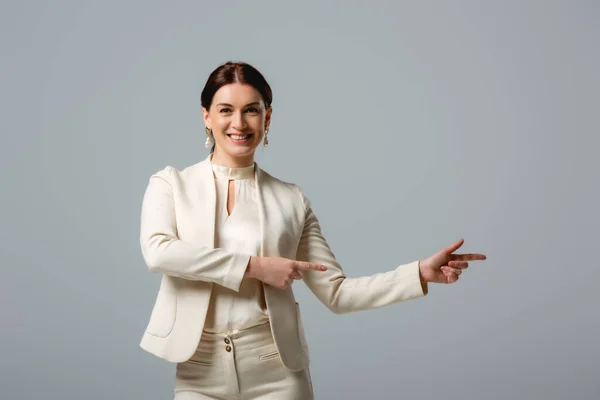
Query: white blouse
(239,232)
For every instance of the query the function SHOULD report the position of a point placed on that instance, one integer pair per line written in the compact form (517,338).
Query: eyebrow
(229,105)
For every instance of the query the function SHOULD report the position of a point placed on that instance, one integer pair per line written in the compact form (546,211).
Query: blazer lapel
(203,201)
(281,304)
(265,243)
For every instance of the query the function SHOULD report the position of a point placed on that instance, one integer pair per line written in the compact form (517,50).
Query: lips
(249,135)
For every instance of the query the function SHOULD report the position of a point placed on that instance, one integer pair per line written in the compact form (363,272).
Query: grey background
(408,124)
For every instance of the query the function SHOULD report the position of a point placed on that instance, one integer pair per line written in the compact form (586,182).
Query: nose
(239,123)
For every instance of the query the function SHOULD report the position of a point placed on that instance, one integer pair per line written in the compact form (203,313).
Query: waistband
(249,338)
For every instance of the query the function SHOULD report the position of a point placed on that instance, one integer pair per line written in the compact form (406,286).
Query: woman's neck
(232,162)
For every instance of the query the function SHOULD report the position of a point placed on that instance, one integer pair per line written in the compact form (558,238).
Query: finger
(297,276)
(468,257)
(458,264)
(454,246)
(446,274)
(450,270)
(451,277)
(306,266)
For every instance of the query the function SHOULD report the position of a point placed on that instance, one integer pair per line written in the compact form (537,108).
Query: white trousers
(243,365)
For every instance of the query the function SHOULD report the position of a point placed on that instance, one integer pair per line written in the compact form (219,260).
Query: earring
(265,140)
(208,142)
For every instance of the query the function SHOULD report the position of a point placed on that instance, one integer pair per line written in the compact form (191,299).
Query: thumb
(455,246)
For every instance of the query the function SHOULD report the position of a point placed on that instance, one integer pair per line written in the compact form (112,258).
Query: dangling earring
(265,140)
(208,142)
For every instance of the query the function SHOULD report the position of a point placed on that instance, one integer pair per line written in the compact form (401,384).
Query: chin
(241,151)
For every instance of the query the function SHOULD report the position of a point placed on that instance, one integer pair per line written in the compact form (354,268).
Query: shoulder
(291,189)
(172,174)
(164,173)
(278,183)
(161,176)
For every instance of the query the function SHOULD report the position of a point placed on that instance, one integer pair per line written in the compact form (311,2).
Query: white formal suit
(177,240)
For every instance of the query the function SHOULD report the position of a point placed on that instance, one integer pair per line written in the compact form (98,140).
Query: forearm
(188,261)
(254,268)
(424,287)
(345,295)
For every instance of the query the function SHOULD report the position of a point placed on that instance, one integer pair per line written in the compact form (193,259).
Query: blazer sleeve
(341,294)
(165,253)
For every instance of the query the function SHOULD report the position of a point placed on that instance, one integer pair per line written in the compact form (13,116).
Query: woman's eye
(225,110)
(253,110)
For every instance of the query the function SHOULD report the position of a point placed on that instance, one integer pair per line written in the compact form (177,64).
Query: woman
(229,240)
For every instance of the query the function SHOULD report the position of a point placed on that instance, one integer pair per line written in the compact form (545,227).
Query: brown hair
(235,72)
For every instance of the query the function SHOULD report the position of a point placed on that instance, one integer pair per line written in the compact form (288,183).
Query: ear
(206,118)
(268,117)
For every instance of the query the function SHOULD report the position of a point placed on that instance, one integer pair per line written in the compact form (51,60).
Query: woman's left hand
(445,267)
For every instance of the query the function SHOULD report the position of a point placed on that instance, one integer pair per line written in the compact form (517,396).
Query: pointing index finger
(317,267)
(467,257)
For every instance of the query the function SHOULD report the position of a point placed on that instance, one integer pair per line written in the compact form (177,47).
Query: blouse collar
(233,173)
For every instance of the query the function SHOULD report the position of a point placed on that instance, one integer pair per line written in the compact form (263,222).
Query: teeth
(239,137)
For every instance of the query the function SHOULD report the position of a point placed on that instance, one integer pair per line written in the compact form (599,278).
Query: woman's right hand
(278,271)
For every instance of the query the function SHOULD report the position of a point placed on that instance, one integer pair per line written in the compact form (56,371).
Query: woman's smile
(240,139)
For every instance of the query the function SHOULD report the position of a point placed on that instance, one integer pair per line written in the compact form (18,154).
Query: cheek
(257,123)
(220,123)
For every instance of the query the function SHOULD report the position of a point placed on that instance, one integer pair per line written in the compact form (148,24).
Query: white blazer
(177,239)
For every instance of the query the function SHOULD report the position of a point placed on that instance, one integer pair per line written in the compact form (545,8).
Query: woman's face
(237,109)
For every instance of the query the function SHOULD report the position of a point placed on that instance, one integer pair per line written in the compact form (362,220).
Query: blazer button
(228,348)
(227,341)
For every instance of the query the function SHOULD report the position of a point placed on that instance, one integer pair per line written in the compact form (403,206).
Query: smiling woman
(236,106)
(230,240)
